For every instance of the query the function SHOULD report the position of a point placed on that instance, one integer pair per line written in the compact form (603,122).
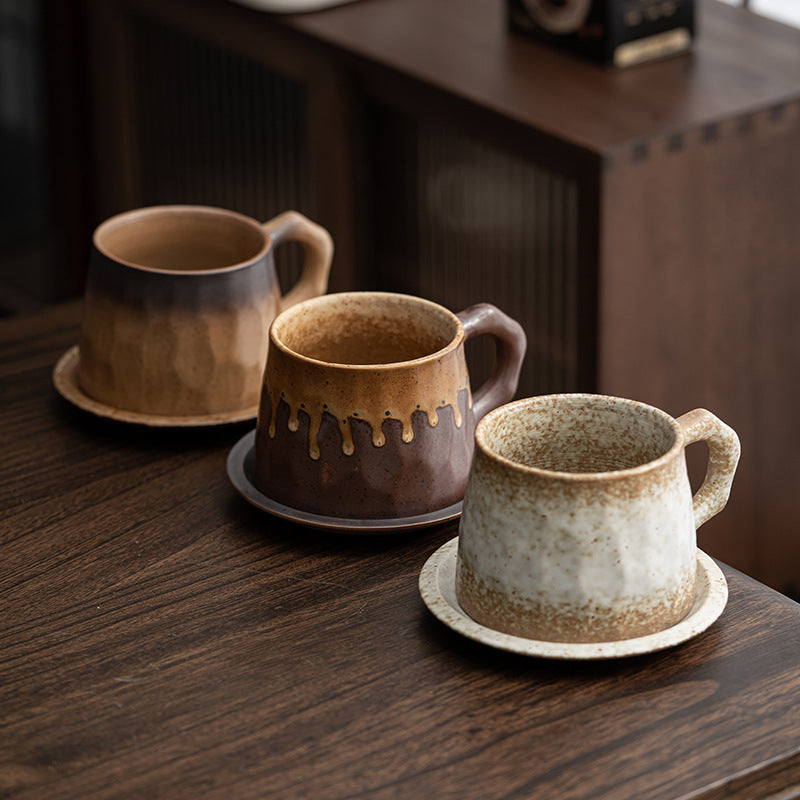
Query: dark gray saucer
(240,473)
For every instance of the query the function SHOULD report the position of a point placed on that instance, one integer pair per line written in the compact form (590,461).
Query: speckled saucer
(240,473)
(437,585)
(65,379)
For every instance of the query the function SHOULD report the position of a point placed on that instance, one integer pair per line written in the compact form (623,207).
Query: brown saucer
(65,379)
(240,473)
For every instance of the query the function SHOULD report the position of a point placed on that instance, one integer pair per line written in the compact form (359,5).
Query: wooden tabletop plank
(159,637)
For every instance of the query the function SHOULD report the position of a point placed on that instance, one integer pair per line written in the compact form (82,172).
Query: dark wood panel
(197,104)
(161,638)
(461,221)
(699,308)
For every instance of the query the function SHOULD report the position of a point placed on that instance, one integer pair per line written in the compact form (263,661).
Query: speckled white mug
(579,523)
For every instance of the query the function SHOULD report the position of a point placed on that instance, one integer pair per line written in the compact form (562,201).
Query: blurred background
(47,210)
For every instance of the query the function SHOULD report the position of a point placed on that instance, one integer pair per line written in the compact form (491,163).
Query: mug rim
(392,365)
(524,469)
(199,209)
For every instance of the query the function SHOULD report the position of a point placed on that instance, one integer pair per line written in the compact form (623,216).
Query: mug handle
(511,345)
(723,456)
(292,226)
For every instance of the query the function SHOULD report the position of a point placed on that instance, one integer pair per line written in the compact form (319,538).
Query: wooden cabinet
(642,224)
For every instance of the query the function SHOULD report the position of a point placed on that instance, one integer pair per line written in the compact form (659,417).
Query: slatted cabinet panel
(461,221)
(217,129)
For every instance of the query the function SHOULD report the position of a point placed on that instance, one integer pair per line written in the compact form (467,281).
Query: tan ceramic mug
(579,522)
(178,304)
(367,410)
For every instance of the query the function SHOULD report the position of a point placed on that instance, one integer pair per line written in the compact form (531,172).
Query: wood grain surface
(161,638)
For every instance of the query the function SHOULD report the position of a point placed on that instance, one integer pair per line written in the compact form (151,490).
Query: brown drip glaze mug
(366,409)
(178,304)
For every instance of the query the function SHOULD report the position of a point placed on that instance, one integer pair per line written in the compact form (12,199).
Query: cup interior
(366,328)
(578,433)
(181,238)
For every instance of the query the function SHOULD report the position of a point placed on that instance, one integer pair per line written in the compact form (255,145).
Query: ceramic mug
(366,409)
(178,304)
(579,523)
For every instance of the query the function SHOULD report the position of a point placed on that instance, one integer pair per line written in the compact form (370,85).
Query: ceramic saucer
(240,472)
(291,6)
(65,379)
(438,590)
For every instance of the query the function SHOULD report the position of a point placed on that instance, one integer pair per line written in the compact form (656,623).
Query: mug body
(578,521)
(177,310)
(366,409)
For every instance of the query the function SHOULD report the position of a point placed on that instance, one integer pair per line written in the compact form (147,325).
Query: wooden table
(159,637)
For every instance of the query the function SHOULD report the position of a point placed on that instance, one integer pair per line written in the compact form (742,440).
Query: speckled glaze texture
(366,409)
(178,304)
(579,523)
